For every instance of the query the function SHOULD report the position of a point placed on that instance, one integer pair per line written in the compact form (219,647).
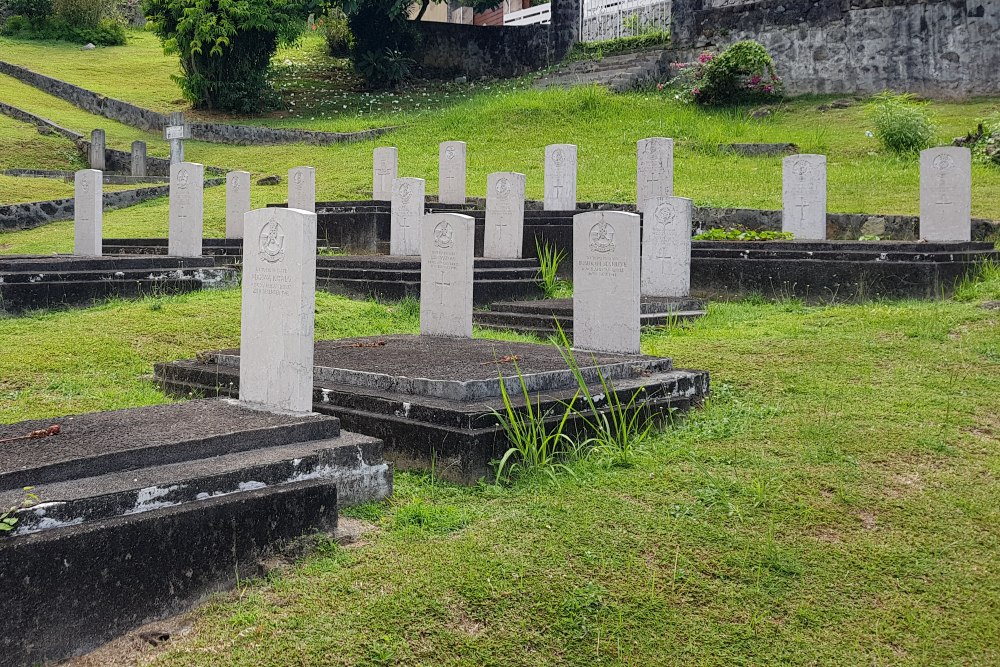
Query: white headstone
(560,177)
(606,282)
(139,158)
(451,172)
(946,194)
(237,202)
(504,237)
(88,213)
(187,182)
(385,169)
(654,173)
(666,247)
(279,301)
(446,275)
(407,213)
(804,196)
(98,144)
(302,189)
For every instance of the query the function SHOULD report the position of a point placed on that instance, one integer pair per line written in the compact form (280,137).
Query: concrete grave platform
(30,282)
(394,277)
(816,270)
(432,400)
(540,317)
(145,511)
(834,270)
(224,251)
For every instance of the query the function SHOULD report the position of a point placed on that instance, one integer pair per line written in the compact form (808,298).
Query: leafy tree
(226,46)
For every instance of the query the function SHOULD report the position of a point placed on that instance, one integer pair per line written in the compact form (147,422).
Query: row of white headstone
(187,211)
(945,195)
(279,290)
(654,174)
(945,191)
(610,273)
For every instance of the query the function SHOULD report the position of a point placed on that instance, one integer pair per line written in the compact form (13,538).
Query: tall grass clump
(619,429)
(549,259)
(981,282)
(535,445)
(902,124)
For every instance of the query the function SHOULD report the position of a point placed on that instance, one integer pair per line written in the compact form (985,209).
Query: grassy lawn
(834,504)
(507,128)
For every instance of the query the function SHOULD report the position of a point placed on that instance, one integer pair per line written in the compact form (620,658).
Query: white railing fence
(604,19)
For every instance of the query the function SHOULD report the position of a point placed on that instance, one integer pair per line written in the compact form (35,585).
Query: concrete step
(545,323)
(484,292)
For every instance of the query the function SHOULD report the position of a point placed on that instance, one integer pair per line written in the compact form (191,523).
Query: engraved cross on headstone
(802,206)
(442,284)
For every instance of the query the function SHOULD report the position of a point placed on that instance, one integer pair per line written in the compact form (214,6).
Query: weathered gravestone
(302,189)
(560,177)
(279,301)
(98,145)
(804,196)
(666,247)
(654,173)
(139,159)
(88,213)
(504,236)
(606,282)
(187,183)
(385,169)
(406,216)
(237,202)
(451,172)
(446,275)
(946,194)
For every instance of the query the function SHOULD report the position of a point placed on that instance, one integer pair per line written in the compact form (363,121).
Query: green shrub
(741,234)
(226,46)
(902,124)
(338,34)
(743,73)
(383,39)
(984,142)
(80,21)
(35,11)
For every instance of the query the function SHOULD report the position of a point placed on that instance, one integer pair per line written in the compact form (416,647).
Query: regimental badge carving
(235,183)
(801,168)
(602,237)
(272,242)
(85,185)
(405,191)
(444,235)
(665,214)
(183,178)
(557,156)
(449,152)
(298,178)
(503,188)
(943,162)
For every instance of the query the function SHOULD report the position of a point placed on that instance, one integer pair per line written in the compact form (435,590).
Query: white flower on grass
(869,134)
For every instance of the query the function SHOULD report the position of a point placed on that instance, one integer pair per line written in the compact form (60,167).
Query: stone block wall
(450,49)
(939,48)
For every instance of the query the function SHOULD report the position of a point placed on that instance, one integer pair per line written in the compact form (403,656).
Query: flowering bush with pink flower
(743,73)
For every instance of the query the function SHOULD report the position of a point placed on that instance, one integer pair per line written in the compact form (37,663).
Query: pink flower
(755,79)
(768,88)
(659,86)
(696,91)
(705,57)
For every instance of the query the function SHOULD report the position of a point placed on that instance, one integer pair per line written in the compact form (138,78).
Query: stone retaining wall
(29,215)
(152,121)
(937,48)
(447,49)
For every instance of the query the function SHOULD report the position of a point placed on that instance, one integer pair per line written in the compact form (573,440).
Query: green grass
(834,504)
(507,128)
